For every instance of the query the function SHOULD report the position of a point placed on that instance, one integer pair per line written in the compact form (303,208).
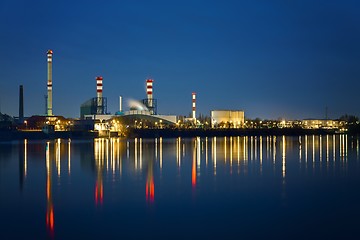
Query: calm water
(220,188)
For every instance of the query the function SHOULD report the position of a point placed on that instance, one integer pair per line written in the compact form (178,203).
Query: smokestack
(21,104)
(149,92)
(99,96)
(194,106)
(49,111)
(120,103)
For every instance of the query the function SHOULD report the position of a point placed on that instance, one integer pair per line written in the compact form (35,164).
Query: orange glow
(50,218)
(99,193)
(150,186)
(150,190)
(50,223)
(193,172)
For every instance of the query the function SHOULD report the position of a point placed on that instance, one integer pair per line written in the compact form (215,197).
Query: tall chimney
(99,96)
(49,111)
(21,104)
(149,92)
(194,106)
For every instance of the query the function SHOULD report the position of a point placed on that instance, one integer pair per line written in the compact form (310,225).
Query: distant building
(320,123)
(289,124)
(47,123)
(227,118)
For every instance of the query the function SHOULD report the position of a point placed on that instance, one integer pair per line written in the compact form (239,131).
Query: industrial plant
(142,114)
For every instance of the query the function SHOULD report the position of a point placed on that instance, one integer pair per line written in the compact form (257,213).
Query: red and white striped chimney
(194,106)
(49,110)
(99,96)
(99,86)
(149,92)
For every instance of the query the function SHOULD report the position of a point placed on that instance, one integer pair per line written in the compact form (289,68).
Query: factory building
(320,123)
(142,114)
(227,118)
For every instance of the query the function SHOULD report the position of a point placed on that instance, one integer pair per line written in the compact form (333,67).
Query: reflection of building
(320,123)
(227,118)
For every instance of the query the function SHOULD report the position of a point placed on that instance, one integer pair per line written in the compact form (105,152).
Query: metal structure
(96,105)
(150,102)
(92,107)
(49,109)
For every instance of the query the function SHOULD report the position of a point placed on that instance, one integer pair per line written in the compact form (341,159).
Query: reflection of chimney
(150,186)
(21,104)
(193,170)
(50,206)
(194,106)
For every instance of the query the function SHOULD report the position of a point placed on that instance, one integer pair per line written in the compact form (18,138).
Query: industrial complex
(143,114)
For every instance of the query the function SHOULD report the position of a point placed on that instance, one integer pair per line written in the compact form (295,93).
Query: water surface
(220,188)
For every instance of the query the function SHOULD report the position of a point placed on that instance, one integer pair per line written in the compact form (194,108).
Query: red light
(150,190)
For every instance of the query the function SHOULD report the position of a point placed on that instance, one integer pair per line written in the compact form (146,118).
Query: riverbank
(166,133)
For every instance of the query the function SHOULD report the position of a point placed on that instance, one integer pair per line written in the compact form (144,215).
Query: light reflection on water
(200,164)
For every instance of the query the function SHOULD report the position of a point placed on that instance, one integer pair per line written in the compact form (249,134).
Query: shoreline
(171,133)
(9,135)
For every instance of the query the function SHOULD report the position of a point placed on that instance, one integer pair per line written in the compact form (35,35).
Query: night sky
(273,59)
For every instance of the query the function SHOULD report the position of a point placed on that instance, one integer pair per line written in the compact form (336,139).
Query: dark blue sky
(272,59)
